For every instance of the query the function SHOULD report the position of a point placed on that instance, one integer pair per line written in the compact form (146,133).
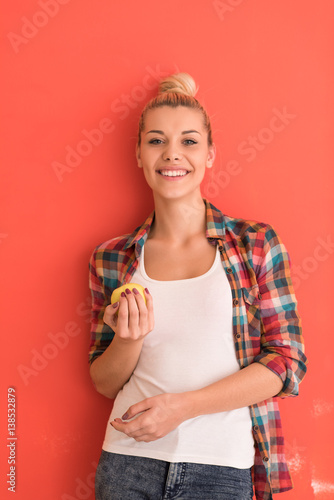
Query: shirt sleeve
(282,345)
(101,334)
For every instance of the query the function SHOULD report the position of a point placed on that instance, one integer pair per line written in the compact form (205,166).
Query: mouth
(173,172)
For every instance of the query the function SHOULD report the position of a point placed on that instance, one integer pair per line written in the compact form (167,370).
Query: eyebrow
(162,133)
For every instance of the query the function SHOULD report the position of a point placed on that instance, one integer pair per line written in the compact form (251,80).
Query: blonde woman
(196,370)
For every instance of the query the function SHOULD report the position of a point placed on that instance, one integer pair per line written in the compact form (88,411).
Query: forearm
(114,367)
(251,385)
(131,321)
(159,415)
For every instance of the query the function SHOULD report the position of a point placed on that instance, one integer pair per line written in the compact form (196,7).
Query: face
(174,151)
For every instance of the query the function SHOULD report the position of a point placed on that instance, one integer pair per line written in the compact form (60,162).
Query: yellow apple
(117,292)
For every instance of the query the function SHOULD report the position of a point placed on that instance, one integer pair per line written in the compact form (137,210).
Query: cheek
(199,160)
(148,175)
(149,158)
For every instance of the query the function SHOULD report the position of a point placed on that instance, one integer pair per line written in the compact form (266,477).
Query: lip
(173,169)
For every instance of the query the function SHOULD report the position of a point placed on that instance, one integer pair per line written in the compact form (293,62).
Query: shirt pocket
(252,303)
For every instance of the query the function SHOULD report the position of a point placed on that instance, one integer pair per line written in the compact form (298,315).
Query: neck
(177,221)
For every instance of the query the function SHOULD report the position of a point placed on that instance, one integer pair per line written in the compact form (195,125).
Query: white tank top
(190,347)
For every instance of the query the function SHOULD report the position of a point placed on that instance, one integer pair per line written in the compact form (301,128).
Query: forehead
(167,118)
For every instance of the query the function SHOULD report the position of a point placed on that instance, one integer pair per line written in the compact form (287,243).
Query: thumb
(114,313)
(110,314)
(135,410)
(114,307)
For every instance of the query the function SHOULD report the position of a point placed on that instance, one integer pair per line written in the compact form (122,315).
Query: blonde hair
(176,90)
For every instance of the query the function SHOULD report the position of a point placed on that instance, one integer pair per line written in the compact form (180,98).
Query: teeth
(173,173)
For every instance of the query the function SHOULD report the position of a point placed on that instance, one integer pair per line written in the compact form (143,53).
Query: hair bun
(180,83)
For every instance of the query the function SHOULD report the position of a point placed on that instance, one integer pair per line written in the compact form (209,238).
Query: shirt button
(220,248)
(235,302)
(259,296)
(229,270)
(256,428)
(266,459)
(237,335)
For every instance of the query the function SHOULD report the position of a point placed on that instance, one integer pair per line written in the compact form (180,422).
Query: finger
(110,314)
(123,313)
(139,300)
(133,310)
(135,409)
(139,434)
(131,429)
(118,425)
(137,429)
(146,438)
(143,319)
(149,305)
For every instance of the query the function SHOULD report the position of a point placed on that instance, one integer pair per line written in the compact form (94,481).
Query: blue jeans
(124,477)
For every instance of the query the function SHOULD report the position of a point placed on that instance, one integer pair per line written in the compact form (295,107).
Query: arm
(282,344)
(165,412)
(116,338)
(113,368)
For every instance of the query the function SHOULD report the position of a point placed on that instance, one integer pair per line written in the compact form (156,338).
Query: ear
(211,156)
(138,157)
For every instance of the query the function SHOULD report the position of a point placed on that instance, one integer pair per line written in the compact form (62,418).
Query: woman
(195,371)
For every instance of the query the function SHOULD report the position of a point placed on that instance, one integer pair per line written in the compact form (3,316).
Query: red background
(70,64)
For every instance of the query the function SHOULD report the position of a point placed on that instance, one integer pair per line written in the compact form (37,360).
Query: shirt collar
(215,222)
(215,227)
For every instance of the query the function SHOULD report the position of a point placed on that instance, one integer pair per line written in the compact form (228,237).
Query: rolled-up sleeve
(282,345)
(101,334)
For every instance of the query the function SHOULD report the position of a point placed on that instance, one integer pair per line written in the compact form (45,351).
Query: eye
(189,142)
(155,141)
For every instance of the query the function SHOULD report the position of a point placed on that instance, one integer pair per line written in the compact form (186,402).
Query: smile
(173,173)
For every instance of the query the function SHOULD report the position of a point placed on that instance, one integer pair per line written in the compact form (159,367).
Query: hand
(134,319)
(157,416)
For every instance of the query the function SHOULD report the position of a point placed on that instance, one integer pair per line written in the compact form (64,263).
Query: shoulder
(248,236)
(116,244)
(240,234)
(114,256)
(110,249)
(239,227)
(254,233)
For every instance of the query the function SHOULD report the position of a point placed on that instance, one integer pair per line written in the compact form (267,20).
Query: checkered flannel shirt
(266,324)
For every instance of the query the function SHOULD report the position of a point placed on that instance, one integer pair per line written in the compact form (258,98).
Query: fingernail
(115,305)
(128,291)
(146,290)
(123,294)
(125,416)
(135,291)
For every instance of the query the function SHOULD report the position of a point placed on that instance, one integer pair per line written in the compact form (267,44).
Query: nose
(171,156)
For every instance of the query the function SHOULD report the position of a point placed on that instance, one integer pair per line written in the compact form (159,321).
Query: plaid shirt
(266,324)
